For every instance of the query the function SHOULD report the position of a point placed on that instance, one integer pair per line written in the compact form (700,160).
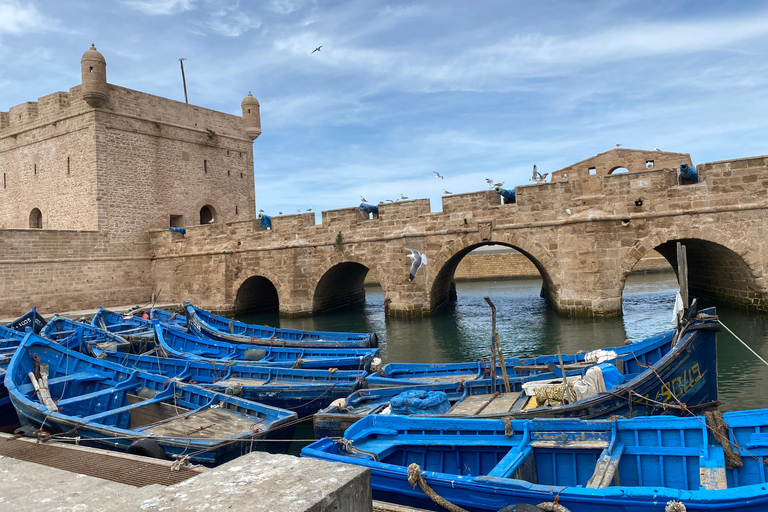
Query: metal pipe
(183,80)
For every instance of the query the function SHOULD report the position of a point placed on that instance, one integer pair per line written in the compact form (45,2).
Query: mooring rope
(742,342)
(414,478)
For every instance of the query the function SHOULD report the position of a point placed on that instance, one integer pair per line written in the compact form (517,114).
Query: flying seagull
(298,211)
(490,182)
(279,213)
(446,192)
(363,199)
(316,49)
(261,211)
(618,145)
(499,184)
(437,175)
(419,259)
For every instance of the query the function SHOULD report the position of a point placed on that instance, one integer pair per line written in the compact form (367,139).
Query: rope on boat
(554,506)
(720,429)
(350,448)
(674,506)
(742,342)
(414,477)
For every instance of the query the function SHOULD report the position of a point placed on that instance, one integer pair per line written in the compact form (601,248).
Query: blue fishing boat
(655,376)
(63,393)
(187,346)
(9,341)
(80,336)
(694,464)
(226,329)
(31,319)
(128,326)
(168,317)
(301,391)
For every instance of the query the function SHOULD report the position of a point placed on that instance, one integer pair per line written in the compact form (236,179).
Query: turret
(94,72)
(251,116)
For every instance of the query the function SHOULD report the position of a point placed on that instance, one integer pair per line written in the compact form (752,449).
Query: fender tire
(147,448)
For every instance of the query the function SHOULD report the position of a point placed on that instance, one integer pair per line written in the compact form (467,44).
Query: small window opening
(205,166)
(592,171)
(227,172)
(207,215)
(177,221)
(648,164)
(91,69)
(235,209)
(249,111)
(4,185)
(241,154)
(36,219)
(67,165)
(35,168)
(241,175)
(227,152)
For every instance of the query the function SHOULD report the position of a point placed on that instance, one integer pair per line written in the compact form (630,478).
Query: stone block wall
(69,270)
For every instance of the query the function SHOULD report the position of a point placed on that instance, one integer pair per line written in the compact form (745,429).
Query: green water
(528,327)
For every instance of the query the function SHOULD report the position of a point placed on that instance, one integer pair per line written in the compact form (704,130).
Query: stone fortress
(94,170)
(93,179)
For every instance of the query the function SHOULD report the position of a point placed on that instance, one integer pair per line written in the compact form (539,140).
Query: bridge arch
(257,293)
(721,268)
(443,290)
(341,283)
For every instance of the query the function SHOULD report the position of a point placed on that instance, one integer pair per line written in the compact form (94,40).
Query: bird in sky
(403,197)
(438,175)
(499,184)
(489,182)
(261,211)
(446,192)
(618,145)
(316,49)
(279,213)
(298,211)
(309,209)
(419,259)
(363,199)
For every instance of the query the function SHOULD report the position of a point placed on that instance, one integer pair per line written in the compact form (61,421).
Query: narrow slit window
(35,168)
(235,209)
(227,172)
(241,175)
(205,166)
(91,69)
(4,185)
(67,165)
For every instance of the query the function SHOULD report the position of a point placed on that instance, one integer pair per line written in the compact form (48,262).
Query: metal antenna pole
(183,80)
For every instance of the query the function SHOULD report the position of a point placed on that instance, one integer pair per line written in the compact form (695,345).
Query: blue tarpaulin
(420,402)
(688,173)
(369,208)
(509,195)
(178,230)
(265,221)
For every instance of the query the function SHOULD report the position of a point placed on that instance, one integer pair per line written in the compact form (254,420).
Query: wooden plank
(444,378)
(713,478)
(148,414)
(520,403)
(548,368)
(209,424)
(242,382)
(471,405)
(581,445)
(500,404)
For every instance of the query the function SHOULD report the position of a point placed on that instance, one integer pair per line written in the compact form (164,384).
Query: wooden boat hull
(216,327)
(664,378)
(116,407)
(187,346)
(301,391)
(633,465)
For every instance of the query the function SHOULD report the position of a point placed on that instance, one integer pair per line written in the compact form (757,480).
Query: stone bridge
(584,231)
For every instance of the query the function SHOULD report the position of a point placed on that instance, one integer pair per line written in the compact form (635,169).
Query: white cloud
(16,19)
(160,7)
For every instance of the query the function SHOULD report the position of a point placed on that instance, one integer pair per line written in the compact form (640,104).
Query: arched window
(207,214)
(36,219)
(618,170)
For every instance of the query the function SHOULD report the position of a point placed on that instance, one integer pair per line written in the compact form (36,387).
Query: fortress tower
(87,174)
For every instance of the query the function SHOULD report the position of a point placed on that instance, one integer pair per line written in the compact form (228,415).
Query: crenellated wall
(583,236)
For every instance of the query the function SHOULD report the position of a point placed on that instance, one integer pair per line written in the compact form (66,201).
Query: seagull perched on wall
(279,213)
(419,259)
(656,149)
(211,221)
(437,175)
(316,49)
(403,197)
(618,145)
(309,209)
(537,176)
(446,192)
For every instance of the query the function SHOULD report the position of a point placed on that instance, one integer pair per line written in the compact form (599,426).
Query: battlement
(633,160)
(46,110)
(469,201)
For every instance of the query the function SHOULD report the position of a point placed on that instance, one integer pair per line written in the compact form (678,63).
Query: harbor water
(527,327)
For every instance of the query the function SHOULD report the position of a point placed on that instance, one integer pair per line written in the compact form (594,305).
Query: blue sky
(472,90)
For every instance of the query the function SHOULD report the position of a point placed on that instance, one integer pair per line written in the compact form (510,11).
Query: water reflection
(528,327)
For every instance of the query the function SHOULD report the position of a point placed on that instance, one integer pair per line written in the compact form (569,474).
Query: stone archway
(342,285)
(443,289)
(717,274)
(257,294)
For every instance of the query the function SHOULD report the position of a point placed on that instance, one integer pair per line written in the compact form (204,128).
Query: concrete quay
(257,482)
